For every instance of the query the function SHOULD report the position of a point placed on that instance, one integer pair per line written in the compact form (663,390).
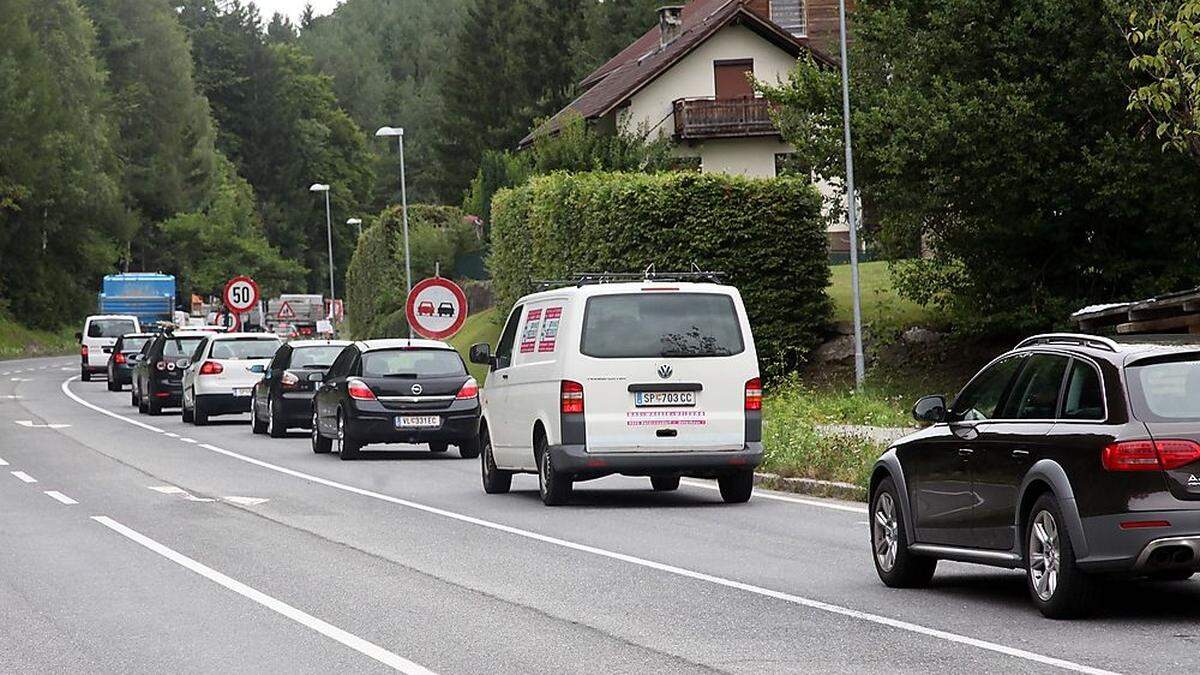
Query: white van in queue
(96,340)
(652,378)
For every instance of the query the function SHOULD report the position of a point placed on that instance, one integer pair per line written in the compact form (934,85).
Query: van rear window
(110,328)
(653,325)
(1166,391)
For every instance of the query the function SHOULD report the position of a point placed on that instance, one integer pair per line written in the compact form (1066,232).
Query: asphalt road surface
(131,544)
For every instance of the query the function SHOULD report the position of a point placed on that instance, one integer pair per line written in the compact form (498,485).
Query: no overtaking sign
(436,308)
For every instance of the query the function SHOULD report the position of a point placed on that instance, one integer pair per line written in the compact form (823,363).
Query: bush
(375,292)
(767,235)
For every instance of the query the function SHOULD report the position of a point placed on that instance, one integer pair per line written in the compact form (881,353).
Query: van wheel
(737,487)
(439,447)
(347,447)
(495,481)
(320,444)
(85,375)
(1059,589)
(554,487)
(664,483)
(896,566)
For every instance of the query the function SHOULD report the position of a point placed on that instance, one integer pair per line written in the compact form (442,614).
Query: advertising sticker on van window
(533,321)
(549,337)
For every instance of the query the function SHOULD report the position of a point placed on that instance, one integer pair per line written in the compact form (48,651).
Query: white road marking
(650,564)
(23,477)
(20,379)
(2,462)
(169,490)
(368,649)
(170,435)
(33,425)
(60,497)
(246,501)
(11,397)
(66,369)
(187,440)
(762,494)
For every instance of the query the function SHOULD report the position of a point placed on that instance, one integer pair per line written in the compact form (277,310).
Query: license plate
(644,399)
(241,392)
(418,422)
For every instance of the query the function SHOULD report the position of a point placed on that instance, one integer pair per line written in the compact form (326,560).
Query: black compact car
(125,354)
(158,374)
(397,391)
(1071,457)
(283,397)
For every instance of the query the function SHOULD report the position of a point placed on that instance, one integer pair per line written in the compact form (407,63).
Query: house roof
(640,63)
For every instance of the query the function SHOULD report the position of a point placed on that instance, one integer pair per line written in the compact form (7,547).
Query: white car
(651,378)
(223,372)
(96,340)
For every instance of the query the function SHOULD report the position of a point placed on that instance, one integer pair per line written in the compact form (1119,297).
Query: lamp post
(320,187)
(358,222)
(860,368)
(399,134)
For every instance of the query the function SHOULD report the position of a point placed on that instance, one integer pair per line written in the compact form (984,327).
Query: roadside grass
(481,327)
(882,306)
(18,341)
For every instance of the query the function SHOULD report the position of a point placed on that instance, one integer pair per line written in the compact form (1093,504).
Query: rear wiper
(410,376)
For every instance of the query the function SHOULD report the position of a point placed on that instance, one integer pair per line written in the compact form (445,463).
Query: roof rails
(1093,341)
(649,274)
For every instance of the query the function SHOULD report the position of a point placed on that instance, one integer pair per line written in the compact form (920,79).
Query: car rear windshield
(110,328)
(414,363)
(314,357)
(133,344)
(1166,391)
(244,348)
(175,347)
(652,325)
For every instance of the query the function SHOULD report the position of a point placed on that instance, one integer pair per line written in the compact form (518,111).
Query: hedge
(375,278)
(766,234)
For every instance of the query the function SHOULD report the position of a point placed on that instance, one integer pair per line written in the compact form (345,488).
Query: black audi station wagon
(1070,457)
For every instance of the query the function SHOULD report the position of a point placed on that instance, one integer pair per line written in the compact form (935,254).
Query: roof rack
(1093,341)
(649,274)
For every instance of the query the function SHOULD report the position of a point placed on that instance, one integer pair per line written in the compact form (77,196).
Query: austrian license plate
(418,422)
(644,399)
(239,392)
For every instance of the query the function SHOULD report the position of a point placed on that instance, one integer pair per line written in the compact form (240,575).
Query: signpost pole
(860,370)
(404,215)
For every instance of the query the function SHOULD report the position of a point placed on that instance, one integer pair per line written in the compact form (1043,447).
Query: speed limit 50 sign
(241,294)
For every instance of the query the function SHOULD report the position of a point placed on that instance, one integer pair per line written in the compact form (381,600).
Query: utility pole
(860,364)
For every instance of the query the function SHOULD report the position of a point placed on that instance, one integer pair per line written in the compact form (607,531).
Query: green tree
(614,24)
(1166,42)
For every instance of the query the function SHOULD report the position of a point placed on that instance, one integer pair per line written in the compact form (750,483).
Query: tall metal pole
(404,212)
(860,367)
(329,232)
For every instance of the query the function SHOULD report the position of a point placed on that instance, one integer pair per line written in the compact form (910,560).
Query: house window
(790,15)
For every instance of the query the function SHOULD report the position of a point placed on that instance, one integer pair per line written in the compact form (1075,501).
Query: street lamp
(399,133)
(358,222)
(321,187)
(860,368)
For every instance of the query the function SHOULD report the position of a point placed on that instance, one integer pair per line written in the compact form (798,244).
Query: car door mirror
(930,410)
(481,353)
(258,369)
(78,336)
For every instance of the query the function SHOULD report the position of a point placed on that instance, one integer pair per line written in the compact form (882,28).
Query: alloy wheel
(886,533)
(1044,555)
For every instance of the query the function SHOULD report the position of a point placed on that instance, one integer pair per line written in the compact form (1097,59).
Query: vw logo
(417,389)
(665,371)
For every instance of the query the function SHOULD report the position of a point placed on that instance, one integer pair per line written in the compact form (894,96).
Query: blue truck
(148,296)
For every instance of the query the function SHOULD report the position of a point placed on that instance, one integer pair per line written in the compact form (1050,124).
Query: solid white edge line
(23,477)
(187,440)
(759,493)
(642,562)
(60,497)
(2,462)
(364,647)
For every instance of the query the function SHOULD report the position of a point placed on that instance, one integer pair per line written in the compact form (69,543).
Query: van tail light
(119,359)
(470,389)
(359,391)
(1148,455)
(754,394)
(83,351)
(572,398)
(289,380)
(211,368)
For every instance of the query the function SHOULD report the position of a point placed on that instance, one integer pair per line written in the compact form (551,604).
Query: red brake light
(359,391)
(211,368)
(289,380)
(83,351)
(470,389)
(572,398)
(119,359)
(754,394)
(1147,455)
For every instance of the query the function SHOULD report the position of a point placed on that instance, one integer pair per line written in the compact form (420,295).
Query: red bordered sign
(241,294)
(436,308)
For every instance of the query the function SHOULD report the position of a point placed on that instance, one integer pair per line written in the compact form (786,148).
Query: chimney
(670,24)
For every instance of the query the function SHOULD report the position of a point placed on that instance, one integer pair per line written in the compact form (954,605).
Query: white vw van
(653,377)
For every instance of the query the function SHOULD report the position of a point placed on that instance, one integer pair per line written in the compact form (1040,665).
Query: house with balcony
(687,78)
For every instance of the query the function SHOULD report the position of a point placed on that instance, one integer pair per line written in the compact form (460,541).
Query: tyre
(896,566)
(320,444)
(276,427)
(85,375)
(133,397)
(554,487)
(1058,588)
(186,412)
(257,426)
(469,449)
(1173,575)
(154,407)
(113,385)
(347,447)
(495,481)
(142,406)
(664,483)
(439,447)
(199,412)
(737,487)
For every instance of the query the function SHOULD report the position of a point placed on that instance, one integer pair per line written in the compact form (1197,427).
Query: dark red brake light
(359,391)
(571,397)
(1177,453)
(1150,455)
(119,359)
(470,389)
(83,351)
(754,394)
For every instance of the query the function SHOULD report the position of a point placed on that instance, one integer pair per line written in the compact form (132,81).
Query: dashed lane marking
(34,425)
(23,477)
(368,649)
(60,497)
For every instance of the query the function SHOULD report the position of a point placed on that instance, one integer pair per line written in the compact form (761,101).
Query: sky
(293,8)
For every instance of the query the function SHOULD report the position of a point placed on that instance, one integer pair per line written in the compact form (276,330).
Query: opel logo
(665,371)
(417,389)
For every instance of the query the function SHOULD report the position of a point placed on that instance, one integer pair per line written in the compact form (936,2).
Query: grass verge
(18,341)
(882,307)
(481,327)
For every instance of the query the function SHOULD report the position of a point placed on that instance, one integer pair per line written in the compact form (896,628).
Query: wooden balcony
(704,118)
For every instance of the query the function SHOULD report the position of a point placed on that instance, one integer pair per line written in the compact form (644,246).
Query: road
(148,545)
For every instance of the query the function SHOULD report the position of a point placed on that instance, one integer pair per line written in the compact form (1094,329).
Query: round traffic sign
(436,308)
(230,321)
(241,294)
